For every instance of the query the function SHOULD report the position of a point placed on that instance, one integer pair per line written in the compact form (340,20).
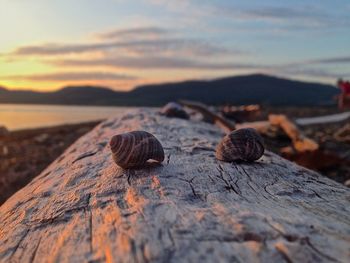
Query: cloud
(332,60)
(139,32)
(310,72)
(133,41)
(172,63)
(57,49)
(283,16)
(156,46)
(154,62)
(282,13)
(286,17)
(184,7)
(71,76)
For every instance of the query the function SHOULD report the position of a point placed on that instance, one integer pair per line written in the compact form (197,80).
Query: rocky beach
(25,153)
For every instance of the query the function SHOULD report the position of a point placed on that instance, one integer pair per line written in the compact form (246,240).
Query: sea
(24,116)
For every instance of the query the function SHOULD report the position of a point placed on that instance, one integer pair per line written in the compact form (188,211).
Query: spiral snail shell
(241,145)
(134,149)
(173,109)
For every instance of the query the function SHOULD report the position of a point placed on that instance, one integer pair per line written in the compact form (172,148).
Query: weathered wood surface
(339,117)
(193,208)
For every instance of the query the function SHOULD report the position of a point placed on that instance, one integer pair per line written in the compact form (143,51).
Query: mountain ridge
(246,89)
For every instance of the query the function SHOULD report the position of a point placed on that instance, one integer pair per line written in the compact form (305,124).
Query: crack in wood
(190,182)
(307,240)
(129,177)
(32,258)
(229,186)
(143,253)
(268,185)
(319,196)
(303,239)
(62,217)
(14,249)
(171,236)
(241,238)
(88,207)
(84,155)
(168,159)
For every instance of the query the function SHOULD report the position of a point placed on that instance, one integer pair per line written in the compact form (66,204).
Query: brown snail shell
(241,145)
(173,109)
(134,149)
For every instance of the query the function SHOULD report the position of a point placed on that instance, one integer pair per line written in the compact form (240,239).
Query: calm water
(19,116)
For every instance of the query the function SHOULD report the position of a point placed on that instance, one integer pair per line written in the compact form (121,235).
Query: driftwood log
(192,208)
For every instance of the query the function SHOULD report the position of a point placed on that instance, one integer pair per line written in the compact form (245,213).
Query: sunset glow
(46,45)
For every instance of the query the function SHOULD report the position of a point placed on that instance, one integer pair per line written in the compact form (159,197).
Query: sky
(46,44)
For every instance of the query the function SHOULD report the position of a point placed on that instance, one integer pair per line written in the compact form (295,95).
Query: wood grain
(192,208)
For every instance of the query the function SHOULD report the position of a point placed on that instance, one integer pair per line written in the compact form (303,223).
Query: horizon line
(167,83)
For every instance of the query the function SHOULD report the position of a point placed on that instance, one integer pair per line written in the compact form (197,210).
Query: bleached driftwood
(220,121)
(301,143)
(192,208)
(339,117)
(226,125)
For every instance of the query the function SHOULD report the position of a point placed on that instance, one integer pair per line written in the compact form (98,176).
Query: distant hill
(261,89)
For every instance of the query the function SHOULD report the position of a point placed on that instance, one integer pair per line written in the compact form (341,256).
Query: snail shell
(173,109)
(134,149)
(241,145)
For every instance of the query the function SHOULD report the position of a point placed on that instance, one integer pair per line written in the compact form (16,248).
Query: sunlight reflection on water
(19,116)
